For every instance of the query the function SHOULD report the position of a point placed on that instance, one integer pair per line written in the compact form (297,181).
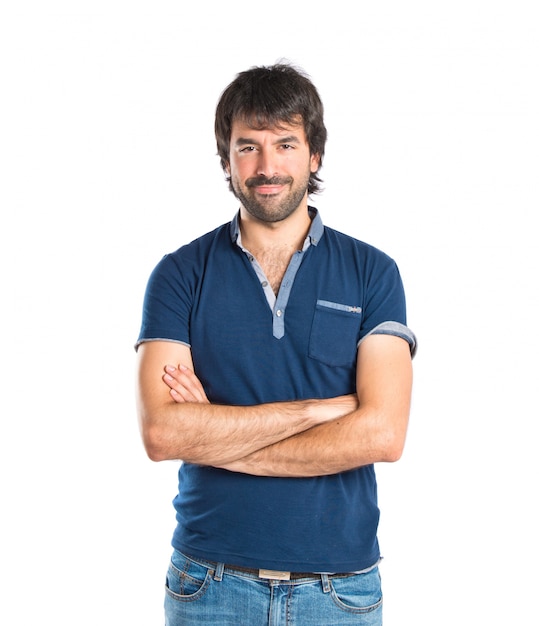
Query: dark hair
(267,97)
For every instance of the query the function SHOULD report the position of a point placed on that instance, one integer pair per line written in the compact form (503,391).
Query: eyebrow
(246,141)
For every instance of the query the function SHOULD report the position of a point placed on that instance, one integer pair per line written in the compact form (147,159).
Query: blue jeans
(201,593)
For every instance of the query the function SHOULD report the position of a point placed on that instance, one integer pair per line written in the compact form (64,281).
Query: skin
(209,434)
(372,430)
(269,170)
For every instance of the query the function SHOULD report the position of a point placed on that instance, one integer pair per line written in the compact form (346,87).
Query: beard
(271,207)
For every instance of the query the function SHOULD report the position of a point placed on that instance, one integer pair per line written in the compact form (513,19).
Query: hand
(184,385)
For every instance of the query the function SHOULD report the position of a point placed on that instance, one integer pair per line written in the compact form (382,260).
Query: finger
(180,392)
(189,379)
(184,382)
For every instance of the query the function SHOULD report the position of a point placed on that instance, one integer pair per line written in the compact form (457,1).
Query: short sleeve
(167,304)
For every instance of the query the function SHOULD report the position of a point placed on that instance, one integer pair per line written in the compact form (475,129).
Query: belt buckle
(273,574)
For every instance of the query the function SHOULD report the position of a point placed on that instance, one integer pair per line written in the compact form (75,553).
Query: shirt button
(279,313)
(264,284)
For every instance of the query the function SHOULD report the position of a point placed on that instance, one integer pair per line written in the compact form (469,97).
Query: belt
(277,574)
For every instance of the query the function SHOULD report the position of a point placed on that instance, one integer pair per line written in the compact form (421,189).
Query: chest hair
(274,262)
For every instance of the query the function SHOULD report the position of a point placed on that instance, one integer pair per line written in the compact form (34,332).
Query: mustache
(259,181)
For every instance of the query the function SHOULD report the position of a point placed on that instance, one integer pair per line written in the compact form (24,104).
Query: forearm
(304,438)
(358,439)
(178,422)
(217,435)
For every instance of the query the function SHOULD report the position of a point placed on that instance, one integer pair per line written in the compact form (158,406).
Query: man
(275,362)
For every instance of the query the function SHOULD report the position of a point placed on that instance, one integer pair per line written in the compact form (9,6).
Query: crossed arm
(301,438)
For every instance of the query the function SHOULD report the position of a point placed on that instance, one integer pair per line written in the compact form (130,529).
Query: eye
(287,146)
(246,149)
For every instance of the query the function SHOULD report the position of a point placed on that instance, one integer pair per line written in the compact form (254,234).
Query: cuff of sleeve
(398,330)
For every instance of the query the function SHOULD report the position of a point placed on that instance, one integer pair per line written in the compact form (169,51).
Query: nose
(266,164)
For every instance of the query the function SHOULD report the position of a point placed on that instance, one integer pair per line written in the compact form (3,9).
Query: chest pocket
(335,333)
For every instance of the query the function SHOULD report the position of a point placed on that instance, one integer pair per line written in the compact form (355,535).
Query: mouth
(268,190)
(268,186)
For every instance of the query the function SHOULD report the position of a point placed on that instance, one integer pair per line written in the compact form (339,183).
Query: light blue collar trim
(315,232)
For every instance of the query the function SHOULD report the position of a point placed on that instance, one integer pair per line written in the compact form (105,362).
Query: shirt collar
(315,232)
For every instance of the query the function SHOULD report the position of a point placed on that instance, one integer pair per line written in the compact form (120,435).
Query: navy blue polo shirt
(248,348)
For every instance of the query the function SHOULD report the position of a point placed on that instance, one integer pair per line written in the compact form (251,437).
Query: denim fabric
(198,593)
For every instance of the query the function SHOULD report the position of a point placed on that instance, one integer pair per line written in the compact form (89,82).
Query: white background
(108,161)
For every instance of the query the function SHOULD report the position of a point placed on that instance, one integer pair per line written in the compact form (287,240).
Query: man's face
(270,169)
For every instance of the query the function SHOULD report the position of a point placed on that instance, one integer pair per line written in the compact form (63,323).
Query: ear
(315,162)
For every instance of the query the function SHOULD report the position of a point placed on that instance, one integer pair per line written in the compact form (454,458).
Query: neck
(289,233)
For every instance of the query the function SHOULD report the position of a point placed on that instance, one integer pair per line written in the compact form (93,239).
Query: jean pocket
(361,593)
(186,579)
(335,333)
